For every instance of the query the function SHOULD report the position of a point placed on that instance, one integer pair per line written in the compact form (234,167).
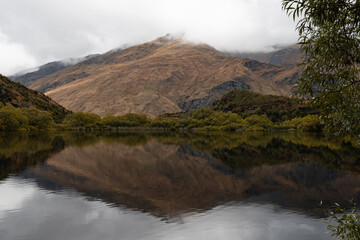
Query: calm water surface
(172,186)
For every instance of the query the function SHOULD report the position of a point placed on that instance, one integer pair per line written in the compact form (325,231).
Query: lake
(250,186)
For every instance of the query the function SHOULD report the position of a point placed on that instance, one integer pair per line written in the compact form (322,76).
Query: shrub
(256,122)
(110,120)
(12,118)
(231,127)
(82,119)
(202,113)
(38,119)
(133,120)
(164,122)
(307,123)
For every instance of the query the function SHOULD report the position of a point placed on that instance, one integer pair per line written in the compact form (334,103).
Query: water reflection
(256,186)
(44,215)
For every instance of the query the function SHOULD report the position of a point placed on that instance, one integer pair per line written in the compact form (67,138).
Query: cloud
(51,30)
(13,56)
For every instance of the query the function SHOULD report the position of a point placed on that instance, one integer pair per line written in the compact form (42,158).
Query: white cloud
(51,30)
(13,57)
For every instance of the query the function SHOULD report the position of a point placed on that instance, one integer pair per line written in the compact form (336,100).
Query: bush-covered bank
(207,119)
(204,119)
(239,110)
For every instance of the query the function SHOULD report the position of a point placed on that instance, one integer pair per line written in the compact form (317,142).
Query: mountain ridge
(281,56)
(46,69)
(162,76)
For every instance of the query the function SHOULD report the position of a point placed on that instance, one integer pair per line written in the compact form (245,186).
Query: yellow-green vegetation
(82,119)
(93,121)
(127,120)
(246,110)
(12,118)
(204,119)
(307,123)
(201,119)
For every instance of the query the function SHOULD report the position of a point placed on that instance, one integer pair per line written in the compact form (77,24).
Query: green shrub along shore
(237,110)
(205,119)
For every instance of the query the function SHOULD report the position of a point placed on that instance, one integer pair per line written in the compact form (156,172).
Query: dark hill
(21,97)
(276,108)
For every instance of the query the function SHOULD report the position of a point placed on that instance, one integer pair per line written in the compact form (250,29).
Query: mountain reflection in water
(172,175)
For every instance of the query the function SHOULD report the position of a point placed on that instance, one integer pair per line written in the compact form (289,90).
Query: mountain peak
(169,38)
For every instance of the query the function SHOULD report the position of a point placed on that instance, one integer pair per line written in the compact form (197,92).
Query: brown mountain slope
(158,77)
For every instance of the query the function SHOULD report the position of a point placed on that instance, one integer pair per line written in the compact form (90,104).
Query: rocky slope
(161,76)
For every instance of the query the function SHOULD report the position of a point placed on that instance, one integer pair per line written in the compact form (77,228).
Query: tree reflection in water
(169,174)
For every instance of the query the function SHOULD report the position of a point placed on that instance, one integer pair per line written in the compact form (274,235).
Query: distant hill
(46,69)
(21,97)
(162,76)
(282,56)
(275,107)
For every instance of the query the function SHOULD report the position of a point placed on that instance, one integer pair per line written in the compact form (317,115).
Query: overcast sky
(33,32)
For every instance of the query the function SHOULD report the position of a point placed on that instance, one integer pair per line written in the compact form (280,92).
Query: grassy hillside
(20,96)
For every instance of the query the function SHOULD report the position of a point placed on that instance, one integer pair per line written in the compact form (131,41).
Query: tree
(329,34)
(344,223)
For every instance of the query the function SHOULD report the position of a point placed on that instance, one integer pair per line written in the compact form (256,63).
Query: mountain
(281,56)
(46,69)
(161,76)
(21,97)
